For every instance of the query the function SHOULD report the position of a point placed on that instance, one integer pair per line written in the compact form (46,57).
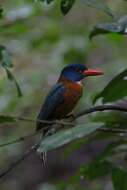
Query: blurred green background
(41,41)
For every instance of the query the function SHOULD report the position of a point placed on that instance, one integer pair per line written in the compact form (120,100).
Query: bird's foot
(70,116)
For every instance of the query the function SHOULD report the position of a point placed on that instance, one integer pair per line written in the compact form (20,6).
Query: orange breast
(71,97)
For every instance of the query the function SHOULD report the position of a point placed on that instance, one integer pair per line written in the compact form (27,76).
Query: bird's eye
(78,70)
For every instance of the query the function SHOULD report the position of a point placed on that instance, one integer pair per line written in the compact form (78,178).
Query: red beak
(92,72)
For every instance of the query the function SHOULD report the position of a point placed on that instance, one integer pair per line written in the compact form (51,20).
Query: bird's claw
(70,117)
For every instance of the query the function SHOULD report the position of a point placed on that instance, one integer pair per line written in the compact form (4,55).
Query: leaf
(12,78)
(5,119)
(119,179)
(6,60)
(6,63)
(104,29)
(66,5)
(65,136)
(47,1)
(119,27)
(96,169)
(115,90)
(99,6)
(5,57)
(100,135)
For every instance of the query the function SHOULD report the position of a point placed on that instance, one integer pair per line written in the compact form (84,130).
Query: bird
(63,97)
(65,94)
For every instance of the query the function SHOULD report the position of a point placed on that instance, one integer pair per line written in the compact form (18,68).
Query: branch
(112,130)
(75,116)
(100,108)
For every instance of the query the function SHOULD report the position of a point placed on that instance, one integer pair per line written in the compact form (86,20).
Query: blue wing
(54,98)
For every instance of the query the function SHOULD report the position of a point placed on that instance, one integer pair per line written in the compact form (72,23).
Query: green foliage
(6,119)
(74,55)
(63,137)
(96,169)
(119,178)
(66,5)
(11,77)
(101,166)
(47,1)
(5,57)
(7,63)
(115,90)
(111,119)
(119,27)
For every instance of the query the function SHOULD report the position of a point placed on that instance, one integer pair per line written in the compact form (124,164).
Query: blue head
(77,72)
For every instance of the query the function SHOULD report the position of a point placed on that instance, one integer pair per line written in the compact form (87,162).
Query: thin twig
(26,119)
(18,161)
(112,130)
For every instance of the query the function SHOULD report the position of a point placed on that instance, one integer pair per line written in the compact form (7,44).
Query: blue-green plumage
(54,99)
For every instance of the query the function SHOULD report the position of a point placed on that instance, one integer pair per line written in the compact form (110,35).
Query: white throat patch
(79,83)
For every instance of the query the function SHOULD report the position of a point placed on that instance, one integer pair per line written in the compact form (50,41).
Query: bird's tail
(45,133)
(43,157)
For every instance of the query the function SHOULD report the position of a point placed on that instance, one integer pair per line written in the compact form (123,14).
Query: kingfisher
(65,94)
